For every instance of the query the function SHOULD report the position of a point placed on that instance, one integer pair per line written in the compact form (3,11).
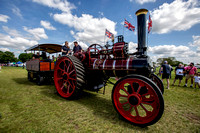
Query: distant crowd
(189,72)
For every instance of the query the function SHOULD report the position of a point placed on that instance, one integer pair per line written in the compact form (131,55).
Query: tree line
(171,60)
(7,56)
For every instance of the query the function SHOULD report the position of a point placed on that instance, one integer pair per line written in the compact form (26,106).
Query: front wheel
(138,100)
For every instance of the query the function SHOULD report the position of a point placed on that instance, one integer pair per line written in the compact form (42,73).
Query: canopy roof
(50,48)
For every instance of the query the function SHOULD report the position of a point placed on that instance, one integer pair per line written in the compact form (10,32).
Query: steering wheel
(94,48)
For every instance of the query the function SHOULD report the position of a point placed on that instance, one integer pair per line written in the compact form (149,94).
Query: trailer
(39,68)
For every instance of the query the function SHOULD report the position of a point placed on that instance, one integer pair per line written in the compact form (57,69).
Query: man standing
(179,73)
(190,70)
(65,49)
(165,68)
(77,48)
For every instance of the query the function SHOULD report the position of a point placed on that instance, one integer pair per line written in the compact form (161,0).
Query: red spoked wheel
(138,100)
(69,76)
(158,82)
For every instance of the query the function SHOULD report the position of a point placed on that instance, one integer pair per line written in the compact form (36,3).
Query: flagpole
(104,37)
(123,29)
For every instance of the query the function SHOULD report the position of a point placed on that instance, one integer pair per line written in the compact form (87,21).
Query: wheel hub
(65,76)
(134,100)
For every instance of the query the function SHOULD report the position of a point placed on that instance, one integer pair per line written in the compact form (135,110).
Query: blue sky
(175,31)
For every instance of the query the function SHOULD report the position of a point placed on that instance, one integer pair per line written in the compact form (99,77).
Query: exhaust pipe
(141,29)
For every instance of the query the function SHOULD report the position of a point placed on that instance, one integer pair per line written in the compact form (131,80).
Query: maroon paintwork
(136,96)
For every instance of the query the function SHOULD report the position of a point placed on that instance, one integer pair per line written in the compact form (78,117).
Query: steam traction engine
(136,96)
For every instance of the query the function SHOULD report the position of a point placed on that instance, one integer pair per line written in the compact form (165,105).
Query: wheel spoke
(64,65)
(125,91)
(60,78)
(120,95)
(71,72)
(68,89)
(139,89)
(63,86)
(147,112)
(61,69)
(125,103)
(130,109)
(132,88)
(68,68)
(136,111)
(70,84)
(72,79)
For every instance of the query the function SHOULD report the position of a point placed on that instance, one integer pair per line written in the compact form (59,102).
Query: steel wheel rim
(136,107)
(158,82)
(65,77)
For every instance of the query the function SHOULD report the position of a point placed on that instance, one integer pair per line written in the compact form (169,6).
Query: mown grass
(27,107)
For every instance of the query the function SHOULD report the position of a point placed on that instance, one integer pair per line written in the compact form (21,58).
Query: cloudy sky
(175,32)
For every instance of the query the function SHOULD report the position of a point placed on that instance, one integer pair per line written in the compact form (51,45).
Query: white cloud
(72,32)
(4,18)
(196,41)
(4,49)
(11,32)
(47,25)
(132,47)
(37,33)
(17,11)
(181,53)
(18,43)
(90,29)
(143,1)
(177,16)
(62,5)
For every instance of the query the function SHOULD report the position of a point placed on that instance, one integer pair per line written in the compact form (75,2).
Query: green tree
(7,56)
(25,56)
(171,60)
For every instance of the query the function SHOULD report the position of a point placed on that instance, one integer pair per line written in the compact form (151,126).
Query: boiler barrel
(123,67)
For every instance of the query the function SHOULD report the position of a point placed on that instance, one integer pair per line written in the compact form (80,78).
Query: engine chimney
(141,25)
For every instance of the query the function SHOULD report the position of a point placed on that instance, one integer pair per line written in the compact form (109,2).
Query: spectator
(190,70)
(197,80)
(165,68)
(37,56)
(0,67)
(53,58)
(44,55)
(77,48)
(179,71)
(65,49)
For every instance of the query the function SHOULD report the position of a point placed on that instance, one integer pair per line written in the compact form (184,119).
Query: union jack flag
(128,25)
(149,24)
(109,34)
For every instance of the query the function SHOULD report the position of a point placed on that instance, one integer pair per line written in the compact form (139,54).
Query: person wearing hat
(77,48)
(65,49)
(165,68)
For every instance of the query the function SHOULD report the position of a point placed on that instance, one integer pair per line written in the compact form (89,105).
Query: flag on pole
(109,34)
(149,24)
(128,25)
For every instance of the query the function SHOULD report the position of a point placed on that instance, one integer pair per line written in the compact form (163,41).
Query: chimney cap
(141,11)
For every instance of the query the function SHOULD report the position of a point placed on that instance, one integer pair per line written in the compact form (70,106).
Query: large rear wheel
(138,100)
(69,76)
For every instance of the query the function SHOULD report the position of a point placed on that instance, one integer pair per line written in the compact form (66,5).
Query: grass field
(27,107)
